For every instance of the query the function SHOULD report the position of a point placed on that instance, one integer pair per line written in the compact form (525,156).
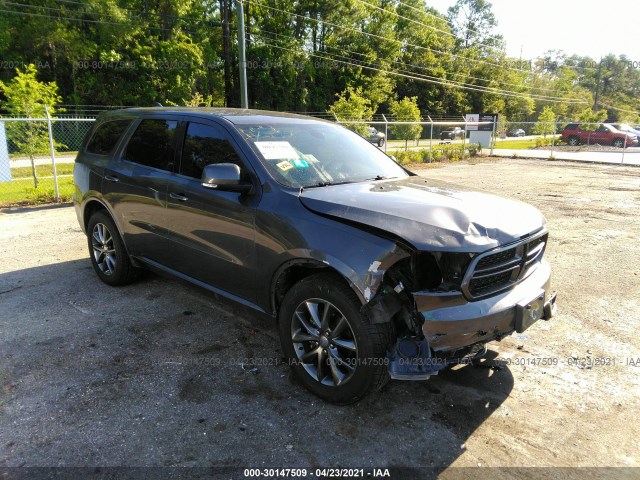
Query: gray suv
(371,271)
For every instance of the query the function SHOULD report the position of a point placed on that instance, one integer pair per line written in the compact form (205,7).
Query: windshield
(316,154)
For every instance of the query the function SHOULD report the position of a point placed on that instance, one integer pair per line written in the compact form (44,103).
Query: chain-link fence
(450,138)
(37,154)
(36,158)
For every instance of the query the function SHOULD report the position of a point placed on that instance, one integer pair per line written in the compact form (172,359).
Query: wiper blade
(328,184)
(378,177)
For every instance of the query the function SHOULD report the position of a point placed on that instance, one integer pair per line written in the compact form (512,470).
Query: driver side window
(204,145)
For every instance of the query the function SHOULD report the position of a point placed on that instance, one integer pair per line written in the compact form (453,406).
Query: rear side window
(204,145)
(152,144)
(106,136)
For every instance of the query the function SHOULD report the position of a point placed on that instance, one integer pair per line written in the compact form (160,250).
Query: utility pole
(595,103)
(244,101)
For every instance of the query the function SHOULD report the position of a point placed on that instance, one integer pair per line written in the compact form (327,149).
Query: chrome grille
(499,269)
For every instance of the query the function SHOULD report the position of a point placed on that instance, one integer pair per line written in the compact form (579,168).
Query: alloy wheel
(103,249)
(324,342)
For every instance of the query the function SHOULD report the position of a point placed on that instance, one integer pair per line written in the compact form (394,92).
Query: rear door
(135,184)
(212,232)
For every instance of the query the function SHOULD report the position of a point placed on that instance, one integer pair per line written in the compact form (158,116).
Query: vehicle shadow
(160,373)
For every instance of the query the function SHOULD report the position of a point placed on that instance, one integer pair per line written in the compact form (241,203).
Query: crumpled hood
(431,215)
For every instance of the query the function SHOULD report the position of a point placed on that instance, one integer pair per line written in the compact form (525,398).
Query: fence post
(386,133)
(53,154)
(553,139)
(464,137)
(431,140)
(493,137)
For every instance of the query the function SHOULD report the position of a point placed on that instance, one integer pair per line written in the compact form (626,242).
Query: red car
(605,134)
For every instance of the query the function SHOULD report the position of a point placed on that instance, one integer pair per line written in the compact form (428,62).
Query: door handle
(178,196)
(111,178)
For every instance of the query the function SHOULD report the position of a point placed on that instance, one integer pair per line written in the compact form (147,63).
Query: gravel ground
(163,374)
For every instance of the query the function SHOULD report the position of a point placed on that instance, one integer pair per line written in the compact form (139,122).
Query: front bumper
(451,322)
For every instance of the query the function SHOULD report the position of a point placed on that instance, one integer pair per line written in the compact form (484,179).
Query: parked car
(519,132)
(371,271)
(374,136)
(604,134)
(623,127)
(452,134)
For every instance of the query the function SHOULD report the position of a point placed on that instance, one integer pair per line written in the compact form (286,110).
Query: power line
(422,24)
(422,67)
(75,19)
(403,43)
(430,79)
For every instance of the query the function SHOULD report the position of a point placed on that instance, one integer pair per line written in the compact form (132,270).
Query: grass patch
(525,144)
(515,144)
(42,170)
(21,191)
(22,156)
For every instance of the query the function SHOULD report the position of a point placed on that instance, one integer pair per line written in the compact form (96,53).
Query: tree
(406,110)
(27,97)
(351,106)
(546,125)
(473,22)
(589,120)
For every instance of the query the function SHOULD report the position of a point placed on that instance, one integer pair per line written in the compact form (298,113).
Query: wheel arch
(90,208)
(294,270)
(93,205)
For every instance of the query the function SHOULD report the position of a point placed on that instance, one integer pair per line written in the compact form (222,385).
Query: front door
(211,232)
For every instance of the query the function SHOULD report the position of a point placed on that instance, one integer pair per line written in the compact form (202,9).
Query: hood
(430,215)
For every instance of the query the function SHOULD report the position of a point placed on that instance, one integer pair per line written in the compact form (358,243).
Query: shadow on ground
(163,374)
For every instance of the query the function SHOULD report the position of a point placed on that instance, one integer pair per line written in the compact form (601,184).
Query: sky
(583,27)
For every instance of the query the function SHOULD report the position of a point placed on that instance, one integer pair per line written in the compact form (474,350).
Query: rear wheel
(331,347)
(381,142)
(574,141)
(108,254)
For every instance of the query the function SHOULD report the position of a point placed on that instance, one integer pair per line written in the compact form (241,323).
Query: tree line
(304,56)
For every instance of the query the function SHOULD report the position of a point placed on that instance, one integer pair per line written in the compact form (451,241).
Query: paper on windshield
(276,150)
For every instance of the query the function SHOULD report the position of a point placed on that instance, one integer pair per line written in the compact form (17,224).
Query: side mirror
(392,157)
(225,177)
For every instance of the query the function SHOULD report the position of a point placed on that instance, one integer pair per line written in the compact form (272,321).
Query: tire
(619,143)
(339,356)
(381,142)
(109,257)
(574,141)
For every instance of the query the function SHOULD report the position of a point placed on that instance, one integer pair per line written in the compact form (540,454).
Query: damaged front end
(446,306)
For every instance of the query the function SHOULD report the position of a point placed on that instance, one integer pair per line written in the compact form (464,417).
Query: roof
(237,116)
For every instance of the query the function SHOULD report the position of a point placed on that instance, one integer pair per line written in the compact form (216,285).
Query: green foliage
(351,106)
(28,97)
(546,141)
(590,120)
(440,153)
(406,110)
(547,119)
(301,53)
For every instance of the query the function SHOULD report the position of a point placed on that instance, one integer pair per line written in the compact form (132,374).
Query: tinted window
(152,143)
(106,136)
(204,145)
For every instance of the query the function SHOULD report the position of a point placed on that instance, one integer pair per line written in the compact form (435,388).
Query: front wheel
(619,143)
(381,142)
(331,347)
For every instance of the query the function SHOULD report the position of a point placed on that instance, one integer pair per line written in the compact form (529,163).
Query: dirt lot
(163,374)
